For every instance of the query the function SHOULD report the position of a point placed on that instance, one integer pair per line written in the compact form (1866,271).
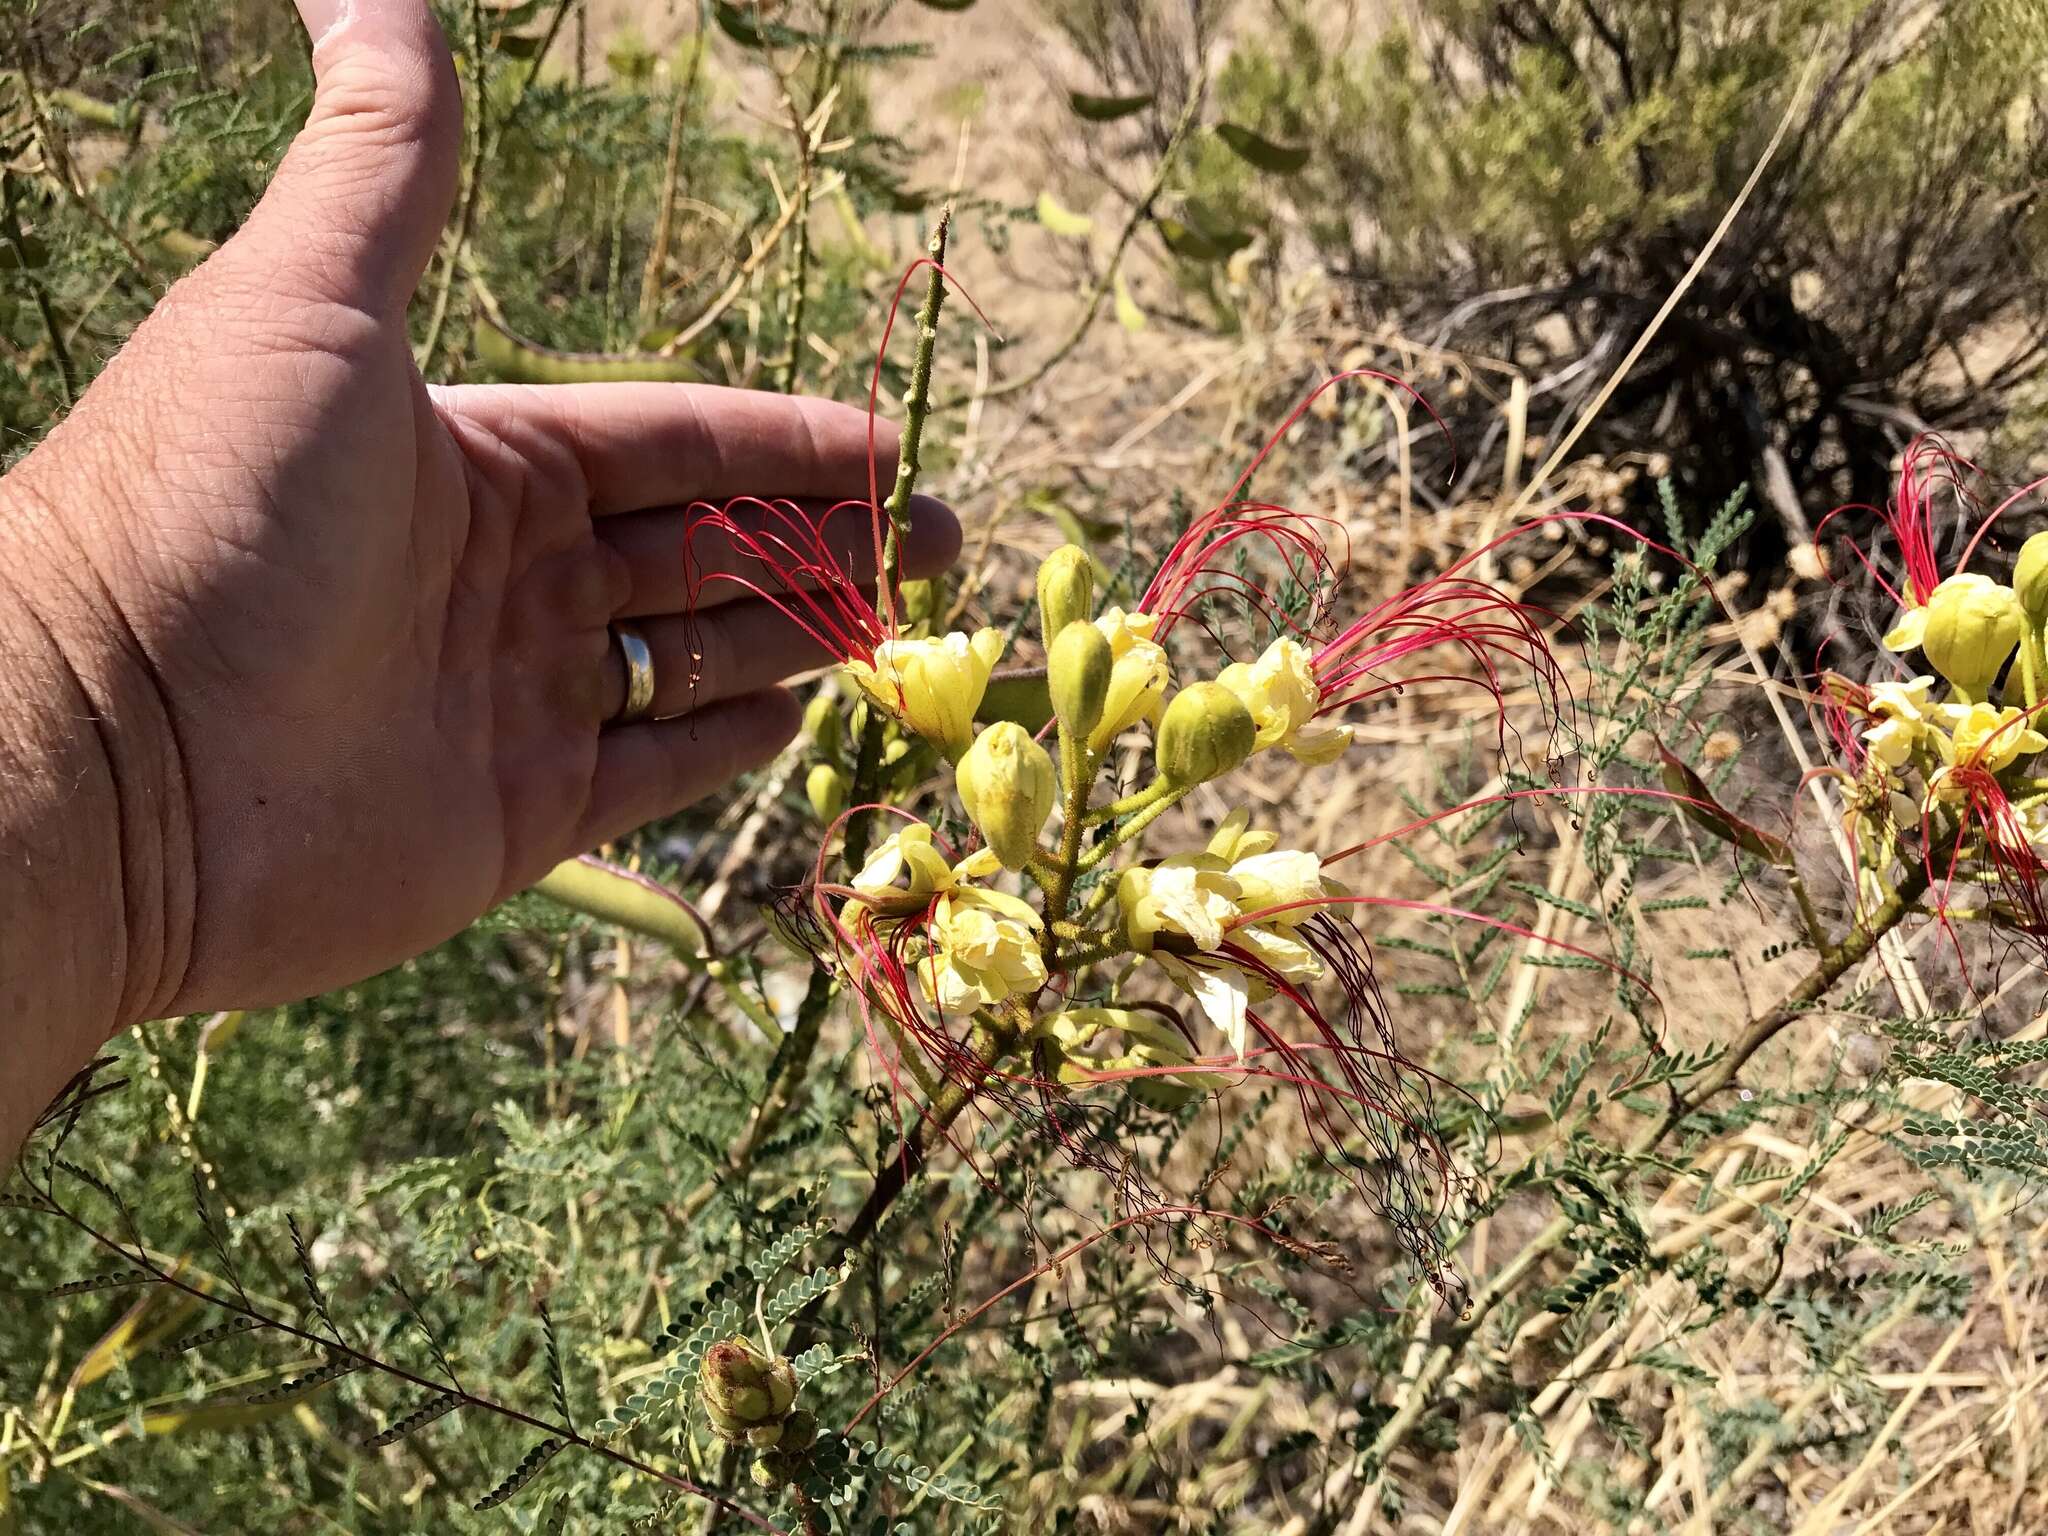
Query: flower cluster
(1018,940)
(1948,752)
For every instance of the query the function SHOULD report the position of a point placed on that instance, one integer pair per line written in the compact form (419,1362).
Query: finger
(676,562)
(742,648)
(657,445)
(648,771)
(356,209)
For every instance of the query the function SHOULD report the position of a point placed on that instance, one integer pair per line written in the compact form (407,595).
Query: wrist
(96,869)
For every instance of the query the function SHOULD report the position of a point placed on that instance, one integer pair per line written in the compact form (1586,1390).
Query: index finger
(647,445)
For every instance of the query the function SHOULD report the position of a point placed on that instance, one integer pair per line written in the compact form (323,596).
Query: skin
(303,663)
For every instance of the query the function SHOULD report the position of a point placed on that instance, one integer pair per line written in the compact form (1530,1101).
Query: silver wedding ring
(639,661)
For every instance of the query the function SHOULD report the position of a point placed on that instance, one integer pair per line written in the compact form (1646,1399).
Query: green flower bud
(1066,589)
(745,1390)
(1008,786)
(921,602)
(823,725)
(1206,732)
(2030,577)
(799,1430)
(1973,624)
(826,788)
(1077,676)
(765,1476)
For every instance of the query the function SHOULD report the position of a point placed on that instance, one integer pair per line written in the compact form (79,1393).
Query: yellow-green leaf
(1128,315)
(1062,220)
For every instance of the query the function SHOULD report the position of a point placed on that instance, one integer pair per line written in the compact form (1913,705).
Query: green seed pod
(1205,733)
(765,1476)
(1066,589)
(1077,673)
(1007,786)
(798,1431)
(1973,624)
(2030,578)
(826,788)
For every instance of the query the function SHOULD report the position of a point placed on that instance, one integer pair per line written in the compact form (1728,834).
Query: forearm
(94,834)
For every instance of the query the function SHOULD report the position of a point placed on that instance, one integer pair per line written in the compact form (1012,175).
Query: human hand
(331,647)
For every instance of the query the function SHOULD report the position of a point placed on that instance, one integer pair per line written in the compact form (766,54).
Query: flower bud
(822,724)
(826,788)
(1066,589)
(745,1390)
(1007,784)
(1206,732)
(1137,686)
(1077,676)
(2030,578)
(1973,624)
(921,602)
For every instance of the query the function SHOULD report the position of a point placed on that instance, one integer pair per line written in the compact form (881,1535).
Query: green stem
(1137,824)
(917,406)
(1834,964)
(1130,804)
(867,772)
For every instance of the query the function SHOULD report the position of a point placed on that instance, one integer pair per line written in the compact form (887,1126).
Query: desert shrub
(1527,181)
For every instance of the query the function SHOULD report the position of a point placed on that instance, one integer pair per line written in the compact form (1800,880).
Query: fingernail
(323,18)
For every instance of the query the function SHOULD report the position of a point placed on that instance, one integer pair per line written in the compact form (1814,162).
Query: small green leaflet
(1255,149)
(1106,109)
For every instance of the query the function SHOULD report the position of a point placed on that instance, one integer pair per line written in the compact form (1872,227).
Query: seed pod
(744,1390)
(826,788)
(1973,624)
(1077,676)
(1205,733)
(1007,785)
(1066,589)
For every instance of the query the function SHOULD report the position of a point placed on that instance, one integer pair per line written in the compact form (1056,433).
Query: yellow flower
(1188,897)
(933,686)
(1233,839)
(1149,1041)
(1280,691)
(1125,630)
(1284,877)
(1138,674)
(1985,736)
(1137,688)
(904,873)
(1905,720)
(984,949)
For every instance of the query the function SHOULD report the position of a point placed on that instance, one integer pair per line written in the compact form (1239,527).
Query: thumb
(358,205)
